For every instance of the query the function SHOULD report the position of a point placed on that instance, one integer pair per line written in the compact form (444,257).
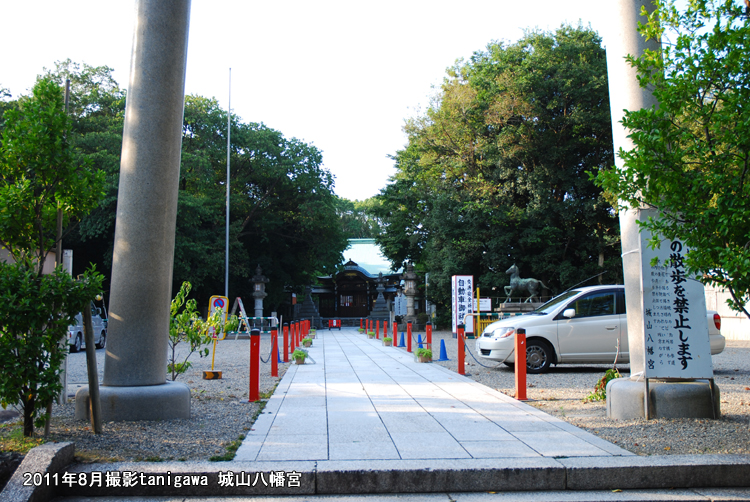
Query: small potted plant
(299,356)
(424,355)
(361,330)
(312,333)
(387,341)
(307,341)
(371,334)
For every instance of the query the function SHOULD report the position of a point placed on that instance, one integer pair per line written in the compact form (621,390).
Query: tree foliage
(495,171)
(40,173)
(283,210)
(35,312)
(282,213)
(692,153)
(358,219)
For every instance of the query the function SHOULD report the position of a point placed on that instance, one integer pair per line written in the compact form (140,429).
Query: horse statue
(522,286)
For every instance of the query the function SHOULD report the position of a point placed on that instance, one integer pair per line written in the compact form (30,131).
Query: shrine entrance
(352,292)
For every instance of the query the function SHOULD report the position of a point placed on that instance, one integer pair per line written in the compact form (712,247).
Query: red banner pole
(428,335)
(274,351)
(254,394)
(520,365)
(408,336)
(286,342)
(461,353)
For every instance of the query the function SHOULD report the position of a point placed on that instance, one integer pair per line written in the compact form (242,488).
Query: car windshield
(551,305)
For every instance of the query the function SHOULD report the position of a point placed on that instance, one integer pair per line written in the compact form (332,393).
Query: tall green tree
(692,153)
(358,219)
(282,213)
(495,171)
(40,174)
(283,210)
(97,111)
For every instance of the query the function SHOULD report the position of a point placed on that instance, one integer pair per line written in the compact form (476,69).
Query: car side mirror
(569,313)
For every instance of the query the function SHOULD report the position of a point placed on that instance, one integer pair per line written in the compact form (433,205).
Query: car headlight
(502,332)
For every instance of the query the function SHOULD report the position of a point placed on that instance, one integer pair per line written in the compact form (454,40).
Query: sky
(341,75)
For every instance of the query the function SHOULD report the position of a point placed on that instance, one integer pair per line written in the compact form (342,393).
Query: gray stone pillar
(626,94)
(628,398)
(134,385)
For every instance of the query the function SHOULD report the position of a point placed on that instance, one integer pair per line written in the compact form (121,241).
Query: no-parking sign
(218,303)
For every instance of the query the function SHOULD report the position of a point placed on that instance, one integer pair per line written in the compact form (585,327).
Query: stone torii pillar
(632,398)
(135,385)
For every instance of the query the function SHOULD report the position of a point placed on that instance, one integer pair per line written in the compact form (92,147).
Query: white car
(583,325)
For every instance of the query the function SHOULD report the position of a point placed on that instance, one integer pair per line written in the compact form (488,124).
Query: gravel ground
(221,413)
(561,392)
(219,408)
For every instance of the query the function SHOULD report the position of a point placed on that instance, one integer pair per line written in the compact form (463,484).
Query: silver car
(76,339)
(584,325)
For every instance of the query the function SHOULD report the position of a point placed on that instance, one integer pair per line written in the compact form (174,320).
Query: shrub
(35,312)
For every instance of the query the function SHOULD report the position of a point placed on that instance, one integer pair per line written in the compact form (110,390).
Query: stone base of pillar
(666,399)
(168,401)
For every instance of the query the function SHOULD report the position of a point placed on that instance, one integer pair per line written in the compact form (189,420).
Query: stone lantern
(259,290)
(410,291)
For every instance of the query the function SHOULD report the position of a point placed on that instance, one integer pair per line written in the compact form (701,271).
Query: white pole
(229,142)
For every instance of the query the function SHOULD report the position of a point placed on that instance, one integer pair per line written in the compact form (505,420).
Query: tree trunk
(28,417)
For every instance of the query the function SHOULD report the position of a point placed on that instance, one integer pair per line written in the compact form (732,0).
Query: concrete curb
(412,476)
(50,458)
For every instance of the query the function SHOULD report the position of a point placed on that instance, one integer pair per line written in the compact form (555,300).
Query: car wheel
(102,341)
(538,357)
(76,347)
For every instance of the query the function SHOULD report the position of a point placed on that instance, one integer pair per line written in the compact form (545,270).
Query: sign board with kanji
(674,315)
(462,294)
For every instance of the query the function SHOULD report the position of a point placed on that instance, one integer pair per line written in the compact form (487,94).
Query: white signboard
(399,306)
(462,293)
(485,305)
(674,315)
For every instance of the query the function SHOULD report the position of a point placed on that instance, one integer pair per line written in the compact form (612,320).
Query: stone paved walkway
(360,400)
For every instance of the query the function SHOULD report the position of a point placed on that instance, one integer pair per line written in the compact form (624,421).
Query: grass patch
(231,451)
(96,457)
(12,439)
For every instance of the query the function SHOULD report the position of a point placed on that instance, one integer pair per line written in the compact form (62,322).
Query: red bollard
(385,329)
(274,351)
(461,353)
(294,338)
(395,334)
(254,394)
(408,336)
(360,323)
(286,342)
(377,330)
(428,335)
(520,364)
